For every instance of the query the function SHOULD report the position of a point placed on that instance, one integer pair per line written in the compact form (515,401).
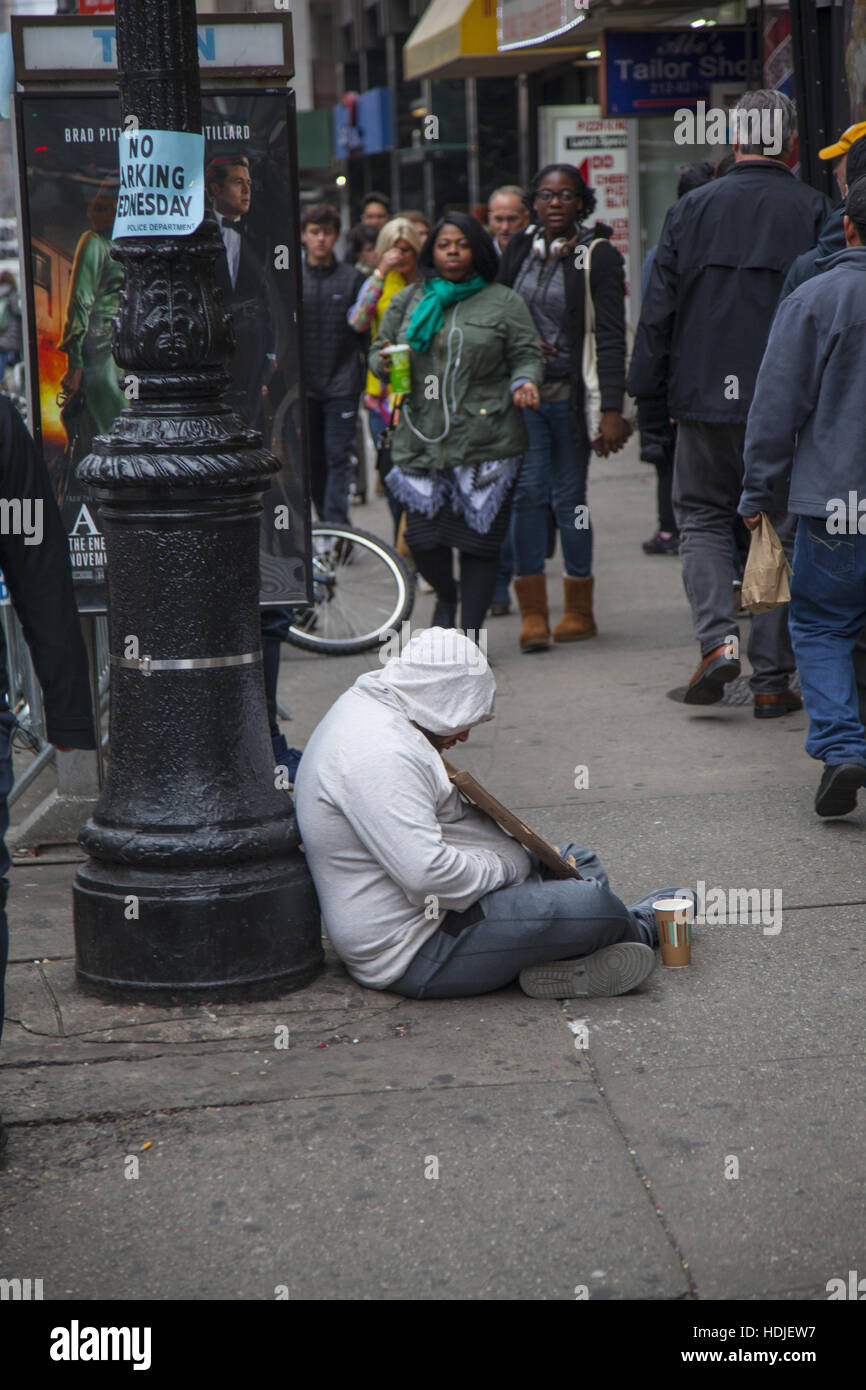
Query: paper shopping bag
(765,581)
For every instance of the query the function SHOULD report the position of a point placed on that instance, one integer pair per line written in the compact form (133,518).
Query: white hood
(440,680)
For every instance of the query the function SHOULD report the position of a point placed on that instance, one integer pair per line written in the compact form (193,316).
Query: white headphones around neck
(541,250)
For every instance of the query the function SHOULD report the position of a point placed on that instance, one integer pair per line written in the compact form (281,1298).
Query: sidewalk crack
(646,1182)
(54,1004)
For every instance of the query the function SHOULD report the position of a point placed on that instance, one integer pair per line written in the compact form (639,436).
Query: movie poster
(69,171)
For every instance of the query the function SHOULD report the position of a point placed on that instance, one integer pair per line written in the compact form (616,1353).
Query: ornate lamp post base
(202,934)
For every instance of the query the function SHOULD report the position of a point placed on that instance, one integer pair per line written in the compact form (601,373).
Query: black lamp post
(195,884)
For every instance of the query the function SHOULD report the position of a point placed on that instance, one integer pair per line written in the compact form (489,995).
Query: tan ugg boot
(577,622)
(531,594)
(401,545)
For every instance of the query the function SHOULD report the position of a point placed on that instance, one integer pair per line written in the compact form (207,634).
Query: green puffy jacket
(487,342)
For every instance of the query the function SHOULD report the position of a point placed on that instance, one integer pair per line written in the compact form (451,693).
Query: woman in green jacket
(459,439)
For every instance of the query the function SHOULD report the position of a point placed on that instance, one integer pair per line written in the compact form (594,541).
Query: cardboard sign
(161,183)
(513,825)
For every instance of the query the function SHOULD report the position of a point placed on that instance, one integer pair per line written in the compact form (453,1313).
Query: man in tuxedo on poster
(240,276)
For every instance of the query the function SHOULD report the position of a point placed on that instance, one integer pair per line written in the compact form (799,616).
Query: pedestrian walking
(475,367)
(333,357)
(849,156)
(545,264)
(375,210)
(333,354)
(724,251)
(804,453)
(397,248)
(362,248)
(507,213)
(657,432)
(37,572)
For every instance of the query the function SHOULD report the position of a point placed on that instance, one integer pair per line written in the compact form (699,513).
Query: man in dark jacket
(804,453)
(34,556)
(333,355)
(724,251)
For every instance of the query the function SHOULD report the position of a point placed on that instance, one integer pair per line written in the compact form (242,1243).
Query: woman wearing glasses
(543,264)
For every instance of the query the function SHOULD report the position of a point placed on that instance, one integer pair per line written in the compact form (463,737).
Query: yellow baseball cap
(844,143)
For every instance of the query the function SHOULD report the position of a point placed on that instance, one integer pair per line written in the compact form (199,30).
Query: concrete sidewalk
(707,1144)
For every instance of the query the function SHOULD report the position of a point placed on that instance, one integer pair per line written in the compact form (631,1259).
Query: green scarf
(428,315)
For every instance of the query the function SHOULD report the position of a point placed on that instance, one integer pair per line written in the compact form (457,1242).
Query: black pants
(477,582)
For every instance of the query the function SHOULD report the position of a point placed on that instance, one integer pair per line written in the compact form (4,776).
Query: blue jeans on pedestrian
(827,613)
(554,473)
(8,725)
(530,923)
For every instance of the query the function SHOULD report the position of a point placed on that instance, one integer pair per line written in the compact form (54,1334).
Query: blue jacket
(832,239)
(804,438)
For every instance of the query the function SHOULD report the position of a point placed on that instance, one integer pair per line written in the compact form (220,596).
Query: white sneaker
(612,970)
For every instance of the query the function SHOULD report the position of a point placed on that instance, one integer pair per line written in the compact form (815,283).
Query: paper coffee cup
(399,368)
(675,936)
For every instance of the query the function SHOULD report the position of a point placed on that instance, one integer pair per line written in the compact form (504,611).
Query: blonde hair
(398,229)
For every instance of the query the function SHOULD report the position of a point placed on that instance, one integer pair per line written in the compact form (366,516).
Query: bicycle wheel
(362,591)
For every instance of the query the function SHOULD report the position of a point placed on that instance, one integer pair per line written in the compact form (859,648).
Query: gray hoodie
(391,844)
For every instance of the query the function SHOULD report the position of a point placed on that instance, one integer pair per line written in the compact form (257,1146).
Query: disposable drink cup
(400,370)
(675,935)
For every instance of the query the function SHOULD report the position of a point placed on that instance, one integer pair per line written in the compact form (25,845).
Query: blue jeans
(827,613)
(8,725)
(554,473)
(487,946)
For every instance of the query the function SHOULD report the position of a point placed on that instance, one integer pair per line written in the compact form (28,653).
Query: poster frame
(92,597)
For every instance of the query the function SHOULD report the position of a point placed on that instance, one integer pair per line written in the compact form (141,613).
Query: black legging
(477,582)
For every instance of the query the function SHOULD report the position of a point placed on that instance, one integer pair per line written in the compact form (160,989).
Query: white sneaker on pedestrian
(612,970)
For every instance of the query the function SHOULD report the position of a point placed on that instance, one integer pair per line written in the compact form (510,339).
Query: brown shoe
(577,622)
(707,685)
(531,592)
(774,706)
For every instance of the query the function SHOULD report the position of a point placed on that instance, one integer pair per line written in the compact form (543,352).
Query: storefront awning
(548,25)
(458,38)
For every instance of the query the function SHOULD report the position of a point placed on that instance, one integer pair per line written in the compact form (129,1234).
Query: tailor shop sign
(653,72)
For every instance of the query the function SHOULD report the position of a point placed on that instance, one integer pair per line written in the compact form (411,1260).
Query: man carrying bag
(804,453)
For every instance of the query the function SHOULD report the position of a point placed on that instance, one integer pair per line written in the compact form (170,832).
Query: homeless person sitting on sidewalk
(421,892)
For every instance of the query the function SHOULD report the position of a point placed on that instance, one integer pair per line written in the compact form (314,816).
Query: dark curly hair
(485,261)
(581,188)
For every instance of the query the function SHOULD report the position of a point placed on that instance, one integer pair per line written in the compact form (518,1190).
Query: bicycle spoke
(366,593)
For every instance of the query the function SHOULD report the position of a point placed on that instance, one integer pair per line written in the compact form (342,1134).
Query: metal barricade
(25,695)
